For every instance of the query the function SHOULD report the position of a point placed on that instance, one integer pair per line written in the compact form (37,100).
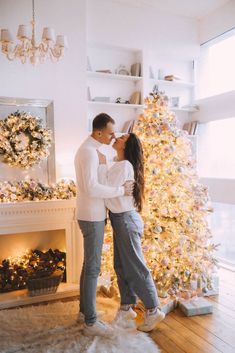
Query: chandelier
(27,49)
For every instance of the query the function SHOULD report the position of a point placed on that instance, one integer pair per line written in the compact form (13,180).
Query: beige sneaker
(151,320)
(122,315)
(99,328)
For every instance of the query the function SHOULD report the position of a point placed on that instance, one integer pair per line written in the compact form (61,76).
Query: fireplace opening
(24,256)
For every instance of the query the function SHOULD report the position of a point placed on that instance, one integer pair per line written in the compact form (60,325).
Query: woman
(134,278)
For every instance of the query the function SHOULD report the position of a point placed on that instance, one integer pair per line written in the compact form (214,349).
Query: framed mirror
(42,108)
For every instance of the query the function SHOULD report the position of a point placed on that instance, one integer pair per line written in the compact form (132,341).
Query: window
(216,146)
(215,73)
(216,159)
(222,224)
(215,67)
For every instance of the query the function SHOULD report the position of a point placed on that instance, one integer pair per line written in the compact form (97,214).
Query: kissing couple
(118,188)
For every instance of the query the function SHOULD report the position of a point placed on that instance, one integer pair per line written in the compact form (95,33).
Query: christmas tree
(177,240)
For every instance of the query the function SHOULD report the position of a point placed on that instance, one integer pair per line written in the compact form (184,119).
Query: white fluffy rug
(52,328)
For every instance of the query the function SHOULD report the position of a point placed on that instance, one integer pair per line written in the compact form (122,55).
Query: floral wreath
(23,140)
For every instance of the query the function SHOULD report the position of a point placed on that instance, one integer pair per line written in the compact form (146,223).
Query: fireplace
(41,225)
(17,271)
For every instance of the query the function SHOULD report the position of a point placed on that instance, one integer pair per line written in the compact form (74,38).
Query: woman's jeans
(134,278)
(93,235)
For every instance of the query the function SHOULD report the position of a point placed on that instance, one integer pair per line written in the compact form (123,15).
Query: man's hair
(101,120)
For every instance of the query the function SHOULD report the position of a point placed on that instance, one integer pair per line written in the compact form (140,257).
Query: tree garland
(23,140)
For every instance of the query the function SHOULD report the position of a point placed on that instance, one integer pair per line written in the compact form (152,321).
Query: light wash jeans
(134,278)
(93,235)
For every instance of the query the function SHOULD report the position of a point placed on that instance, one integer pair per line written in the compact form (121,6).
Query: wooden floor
(205,333)
(211,333)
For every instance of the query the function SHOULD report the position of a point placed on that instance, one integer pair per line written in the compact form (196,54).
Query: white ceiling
(189,8)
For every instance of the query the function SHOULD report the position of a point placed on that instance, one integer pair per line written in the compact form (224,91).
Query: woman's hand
(102,158)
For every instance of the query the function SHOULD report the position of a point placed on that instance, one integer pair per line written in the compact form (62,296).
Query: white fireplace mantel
(49,215)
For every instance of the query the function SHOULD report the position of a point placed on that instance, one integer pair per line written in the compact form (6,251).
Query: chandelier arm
(43,48)
(6,51)
(10,56)
(56,52)
(22,49)
(53,58)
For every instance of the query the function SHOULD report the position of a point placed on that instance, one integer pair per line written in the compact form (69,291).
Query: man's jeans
(134,278)
(93,235)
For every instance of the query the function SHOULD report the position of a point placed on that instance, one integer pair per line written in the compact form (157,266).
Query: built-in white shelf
(118,105)
(172,83)
(189,110)
(136,106)
(101,84)
(113,76)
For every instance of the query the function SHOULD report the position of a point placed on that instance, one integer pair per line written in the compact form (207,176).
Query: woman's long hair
(134,154)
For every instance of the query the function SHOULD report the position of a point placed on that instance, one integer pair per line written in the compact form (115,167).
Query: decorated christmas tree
(177,240)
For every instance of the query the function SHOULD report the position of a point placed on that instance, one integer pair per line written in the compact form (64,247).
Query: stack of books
(171,78)
(101,99)
(136,69)
(104,71)
(135,98)
(128,126)
(191,127)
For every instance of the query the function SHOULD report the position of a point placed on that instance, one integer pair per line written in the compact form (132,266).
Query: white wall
(132,26)
(63,82)
(218,22)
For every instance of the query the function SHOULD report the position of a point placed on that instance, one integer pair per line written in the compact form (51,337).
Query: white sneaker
(151,320)
(122,315)
(99,328)
(81,316)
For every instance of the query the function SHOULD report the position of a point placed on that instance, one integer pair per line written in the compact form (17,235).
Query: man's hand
(102,158)
(129,187)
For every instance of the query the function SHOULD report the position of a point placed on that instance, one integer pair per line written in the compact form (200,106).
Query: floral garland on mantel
(23,140)
(32,190)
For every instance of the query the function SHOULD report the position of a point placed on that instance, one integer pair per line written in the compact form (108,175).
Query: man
(91,214)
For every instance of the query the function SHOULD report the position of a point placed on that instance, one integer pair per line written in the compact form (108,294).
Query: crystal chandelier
(27,47)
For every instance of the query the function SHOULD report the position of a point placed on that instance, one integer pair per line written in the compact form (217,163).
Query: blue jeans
(134,277)
(93,235)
